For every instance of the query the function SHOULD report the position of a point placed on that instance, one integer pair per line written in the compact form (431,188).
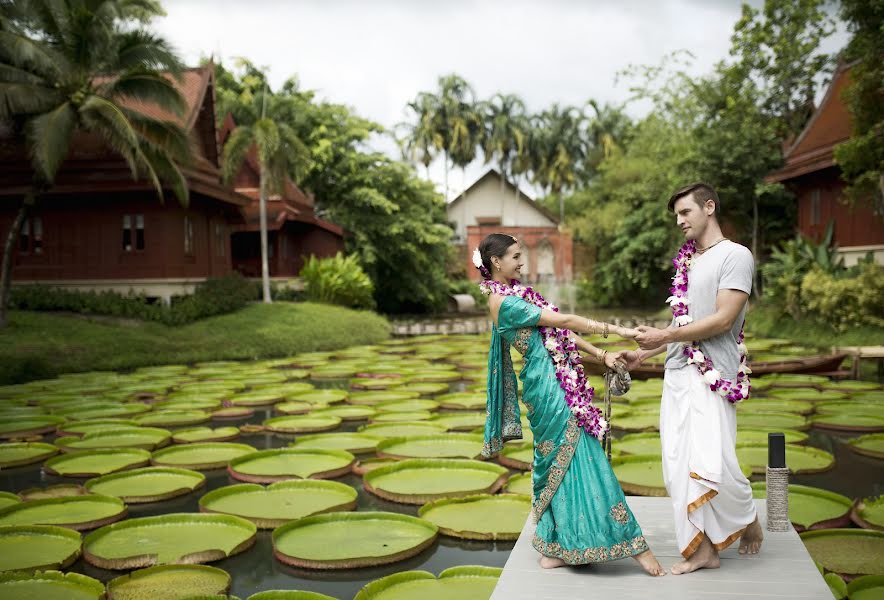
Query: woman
(579,507)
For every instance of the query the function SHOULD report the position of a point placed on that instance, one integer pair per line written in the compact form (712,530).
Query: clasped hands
(648,338)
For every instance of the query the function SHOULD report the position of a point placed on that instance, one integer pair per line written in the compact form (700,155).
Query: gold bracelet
(605,334)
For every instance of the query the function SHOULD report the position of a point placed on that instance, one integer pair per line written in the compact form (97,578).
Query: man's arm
(728,304)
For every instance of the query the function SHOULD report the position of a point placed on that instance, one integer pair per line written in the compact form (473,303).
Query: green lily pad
(462,401)
(302,423)
(401,417)
(205,434)
(372,398)
(83,428)
(871,444)
(466,582)
(868,587)
(269,466)
(351,540)
(410,405)
(636,421)
(868,513)
(448,445)
(60,490)
(638,443)
(479,517)
(8,499)
(429,377)
(851,385)
(376,383)
(850,407)
(421,480)
(150,484)
(402,429)
(355,443)
(849,422)
(801,407)
(346,412)
(170,582)
(296,407)
(326,396)
(760,436)
(289,595)
(812,508)
(172,538)
(29,547)
(770,420)
(428,388)
(517,455)
(280,502)
(799,459)
(17,454)
(848,552)
(520,484)
(92,463)
(74,512)
(809,395)
(836,585)
(173,418)
(460,421)
(200,456)
(49,585)
(200,403)
(18,427)
(256,398)
(147,438)
(232,413)
(640,474)
(108,412)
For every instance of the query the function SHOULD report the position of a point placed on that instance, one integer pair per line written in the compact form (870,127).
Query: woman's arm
(598,354)
(550,318)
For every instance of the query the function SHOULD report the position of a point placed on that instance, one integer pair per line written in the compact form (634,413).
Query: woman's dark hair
(494,244)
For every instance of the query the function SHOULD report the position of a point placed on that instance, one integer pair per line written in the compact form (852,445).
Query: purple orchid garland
(563,351)
(734,390)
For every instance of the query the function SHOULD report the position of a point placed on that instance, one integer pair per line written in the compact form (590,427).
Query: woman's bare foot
(750,543)
(649,563)
(548,562)
(706,557)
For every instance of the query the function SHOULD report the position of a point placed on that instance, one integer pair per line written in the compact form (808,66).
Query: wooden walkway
(783,569)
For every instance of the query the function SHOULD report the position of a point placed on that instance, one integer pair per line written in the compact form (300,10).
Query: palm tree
(607,130)
(560,148)
(69,65)
(504,134)
(421,139)
(467,135)
(281,155)
(452,120)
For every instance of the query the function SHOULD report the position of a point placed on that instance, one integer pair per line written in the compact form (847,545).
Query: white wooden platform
(783,569)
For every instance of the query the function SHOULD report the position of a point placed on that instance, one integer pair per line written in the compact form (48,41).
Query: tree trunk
(265,269)
(8,249)
(445,158)
(755,290)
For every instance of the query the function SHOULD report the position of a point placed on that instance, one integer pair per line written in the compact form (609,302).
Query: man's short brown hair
(701,191)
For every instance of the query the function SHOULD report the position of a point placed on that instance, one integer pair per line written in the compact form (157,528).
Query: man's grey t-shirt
(725,266)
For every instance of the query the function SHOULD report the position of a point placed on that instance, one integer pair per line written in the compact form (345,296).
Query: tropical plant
(281,153)
(559,146)
(421,139)
(75,65)
(455,121)
(505,134)
(337,280)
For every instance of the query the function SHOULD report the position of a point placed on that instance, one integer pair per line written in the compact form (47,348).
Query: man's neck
(710,236)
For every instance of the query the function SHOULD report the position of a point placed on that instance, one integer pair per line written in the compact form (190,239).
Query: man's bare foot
(705,557)
(649,563)
(548,562)
(750,542)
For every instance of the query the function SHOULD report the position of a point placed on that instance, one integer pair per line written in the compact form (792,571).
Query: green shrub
(337,280)
(845,302)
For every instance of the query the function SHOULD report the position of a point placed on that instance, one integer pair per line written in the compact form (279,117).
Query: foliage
(212,297)
(861,158)
(337,280)
(465,286)
(845,302)
(37,345)
(767,320)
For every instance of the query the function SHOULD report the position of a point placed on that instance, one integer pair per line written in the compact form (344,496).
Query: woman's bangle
(600,355)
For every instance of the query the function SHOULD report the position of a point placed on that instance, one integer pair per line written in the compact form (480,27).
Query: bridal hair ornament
(477,262)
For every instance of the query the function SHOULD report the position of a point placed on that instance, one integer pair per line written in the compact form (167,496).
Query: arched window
(546,261)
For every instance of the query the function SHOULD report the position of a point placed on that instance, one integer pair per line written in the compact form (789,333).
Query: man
(711,497)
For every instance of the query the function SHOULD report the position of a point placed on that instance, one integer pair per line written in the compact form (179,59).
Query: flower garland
(563,351)
(734,391)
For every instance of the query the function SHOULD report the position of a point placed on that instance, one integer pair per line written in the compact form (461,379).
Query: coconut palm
(281,155)
(72,65)
(421,139)
(453,119)
(504,134)
(560,148)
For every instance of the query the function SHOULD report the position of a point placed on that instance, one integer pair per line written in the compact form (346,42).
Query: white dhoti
(698,430)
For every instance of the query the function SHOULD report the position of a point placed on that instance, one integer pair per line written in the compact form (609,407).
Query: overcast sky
(376,55)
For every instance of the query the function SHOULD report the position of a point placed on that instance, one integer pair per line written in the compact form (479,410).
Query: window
(133,232)
(30,240)
(188,235)
(220,241)
(815,206)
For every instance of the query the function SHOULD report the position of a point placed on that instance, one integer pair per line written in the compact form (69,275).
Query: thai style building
(494,205)
(811,173)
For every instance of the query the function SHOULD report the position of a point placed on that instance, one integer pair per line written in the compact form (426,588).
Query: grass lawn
(39,345)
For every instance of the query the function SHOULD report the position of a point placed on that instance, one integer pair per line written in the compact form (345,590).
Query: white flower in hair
(477,258)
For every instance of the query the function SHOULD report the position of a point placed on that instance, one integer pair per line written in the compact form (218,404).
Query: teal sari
(578,504)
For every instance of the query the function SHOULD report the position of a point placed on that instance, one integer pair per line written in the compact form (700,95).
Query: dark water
(256,569)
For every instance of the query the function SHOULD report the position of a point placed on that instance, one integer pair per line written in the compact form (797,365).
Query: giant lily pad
(850,407)
(19,427)
(428,388)
(289,595)
(353,442)
(49,585)
(232,413)
(760,436)
(518,455)
(84,428)
(462,401)
(448,445)
(479,517)
(799,459)
(372,398)
(868,513)
(849,422)
(768,420)
(60,490)
(268,466)
(172,538)
(636,421)
(205,434)
(870,445)
(347,412)
(402,429)
(280,502)
(868,587)
(410,405)
(801,407)
(351,540)
(302,423)
(17,454)
(361,467)
(377,383)
(147,438)
(28,547)
(401,417)
(170,582)
(326,396)
(466,582)
(296,407)
(812,508)
(520,484)
(460,421)
(638,443)
(848,552)
(8,499)
(74,512)
(417,481)
(173,418)
(92,463)
(201,456)
(640,474)
(150,484)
